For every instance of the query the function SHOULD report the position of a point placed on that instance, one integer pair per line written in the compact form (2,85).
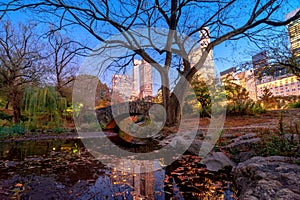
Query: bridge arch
(117,112)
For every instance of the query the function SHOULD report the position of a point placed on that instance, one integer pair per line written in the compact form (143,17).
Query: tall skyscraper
(204,37)
(207,71)
(145,79)
(261,67)
(122,86)
(136,78)
(294,32)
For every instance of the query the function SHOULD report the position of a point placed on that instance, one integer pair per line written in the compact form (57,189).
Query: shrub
(18,129)
(257,108)
(274,144)
(247,107)
(15,129)
(205,111)
(58,130)
(295,105)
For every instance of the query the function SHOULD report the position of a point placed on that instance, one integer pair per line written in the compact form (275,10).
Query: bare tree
(62,62)
(226,20)
(281,55)
(19,62)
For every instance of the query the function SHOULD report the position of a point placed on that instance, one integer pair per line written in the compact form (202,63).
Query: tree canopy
(182,19)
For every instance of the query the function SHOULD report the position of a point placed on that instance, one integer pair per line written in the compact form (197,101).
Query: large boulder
(217,161)
(274,177)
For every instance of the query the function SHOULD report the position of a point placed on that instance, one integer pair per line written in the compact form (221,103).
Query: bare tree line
(26,59)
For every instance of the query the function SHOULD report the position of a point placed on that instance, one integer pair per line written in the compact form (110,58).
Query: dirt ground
(268,120)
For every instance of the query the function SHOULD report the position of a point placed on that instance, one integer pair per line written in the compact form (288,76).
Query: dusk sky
(227,54)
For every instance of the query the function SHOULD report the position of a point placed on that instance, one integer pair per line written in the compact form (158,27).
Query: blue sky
(227,54)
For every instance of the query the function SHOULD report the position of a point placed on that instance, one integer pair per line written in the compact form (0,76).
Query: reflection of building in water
(141,183)
(144,183)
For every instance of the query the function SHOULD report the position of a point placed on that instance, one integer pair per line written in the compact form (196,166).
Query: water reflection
(66,168)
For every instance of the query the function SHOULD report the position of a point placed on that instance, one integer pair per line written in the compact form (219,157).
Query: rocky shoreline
(257,177)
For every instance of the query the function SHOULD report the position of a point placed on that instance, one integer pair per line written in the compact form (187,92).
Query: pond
(64,169)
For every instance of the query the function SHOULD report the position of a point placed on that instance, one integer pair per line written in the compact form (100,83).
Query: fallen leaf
(19,185)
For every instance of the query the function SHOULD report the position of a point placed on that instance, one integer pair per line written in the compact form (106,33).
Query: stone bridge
(120,111)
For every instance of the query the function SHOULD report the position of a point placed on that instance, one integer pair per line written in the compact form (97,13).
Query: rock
(243,156)
(246,136)
(217,161)
(274,177)
(243,141)
(195,147)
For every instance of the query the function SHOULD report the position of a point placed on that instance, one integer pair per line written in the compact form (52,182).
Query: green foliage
(17,129)
(294,105)
(58,130)
(5,116)
(280,142)
(274,144)
(1,101)
(200,93)
(257,108)
(205,111)
(44,106)
(239,102)
(247,107)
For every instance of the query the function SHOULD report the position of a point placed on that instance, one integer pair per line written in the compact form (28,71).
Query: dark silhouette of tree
(226,20)
(19,62)
(62,63)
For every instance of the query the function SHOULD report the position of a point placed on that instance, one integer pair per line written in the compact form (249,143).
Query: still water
(64,169)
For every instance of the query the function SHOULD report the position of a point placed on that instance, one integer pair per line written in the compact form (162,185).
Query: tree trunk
(173,103)
(17,113)
(6,105)
(173,112)
(16,98)
(59,88)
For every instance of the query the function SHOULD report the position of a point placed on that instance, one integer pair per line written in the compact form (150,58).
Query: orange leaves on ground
(19,185)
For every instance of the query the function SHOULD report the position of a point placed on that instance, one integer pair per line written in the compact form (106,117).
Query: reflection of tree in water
(89,179)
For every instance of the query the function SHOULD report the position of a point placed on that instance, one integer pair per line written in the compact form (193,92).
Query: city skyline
(138,85)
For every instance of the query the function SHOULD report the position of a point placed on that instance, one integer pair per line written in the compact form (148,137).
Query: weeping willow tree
(44,106)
